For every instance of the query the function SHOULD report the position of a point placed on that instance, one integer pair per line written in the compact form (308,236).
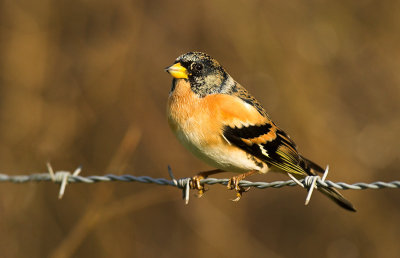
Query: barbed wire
(64,177)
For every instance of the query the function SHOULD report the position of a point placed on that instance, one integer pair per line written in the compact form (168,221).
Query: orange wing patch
(233,111)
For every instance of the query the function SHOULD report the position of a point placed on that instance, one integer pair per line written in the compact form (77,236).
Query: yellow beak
(177,71)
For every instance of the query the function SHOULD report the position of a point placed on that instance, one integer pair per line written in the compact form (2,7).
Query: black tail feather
(337,197)
(310,167)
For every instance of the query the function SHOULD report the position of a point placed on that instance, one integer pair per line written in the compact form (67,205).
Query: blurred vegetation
(82,83)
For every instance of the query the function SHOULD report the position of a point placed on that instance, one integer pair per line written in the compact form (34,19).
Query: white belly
(226,157)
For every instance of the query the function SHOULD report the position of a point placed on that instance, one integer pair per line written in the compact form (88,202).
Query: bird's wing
(252,131)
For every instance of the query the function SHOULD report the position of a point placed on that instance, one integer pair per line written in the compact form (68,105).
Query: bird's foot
(234,184)
(197,185)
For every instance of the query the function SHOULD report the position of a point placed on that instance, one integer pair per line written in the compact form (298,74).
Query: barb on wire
(310,182)
(65,177)
(61,177)
(183,183)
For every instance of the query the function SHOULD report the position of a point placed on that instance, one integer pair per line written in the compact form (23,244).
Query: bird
(221,123)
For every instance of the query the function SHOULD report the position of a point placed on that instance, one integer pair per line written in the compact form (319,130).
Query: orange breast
(192,116)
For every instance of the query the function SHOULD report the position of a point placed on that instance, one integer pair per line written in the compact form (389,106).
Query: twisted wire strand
(309,182)
(181,183)
(65,177)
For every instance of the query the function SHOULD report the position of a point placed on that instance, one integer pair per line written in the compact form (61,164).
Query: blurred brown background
(82,83)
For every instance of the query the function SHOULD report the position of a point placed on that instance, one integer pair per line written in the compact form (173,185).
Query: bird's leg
(234,184)
(195,182)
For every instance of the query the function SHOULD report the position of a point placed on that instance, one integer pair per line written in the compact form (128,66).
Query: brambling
(220,122)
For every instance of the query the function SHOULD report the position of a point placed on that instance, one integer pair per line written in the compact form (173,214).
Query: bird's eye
(197,67)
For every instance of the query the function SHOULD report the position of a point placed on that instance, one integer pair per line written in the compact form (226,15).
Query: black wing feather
(280,152)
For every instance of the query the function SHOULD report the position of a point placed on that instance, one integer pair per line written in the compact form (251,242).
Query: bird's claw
(233,183)
(197,185)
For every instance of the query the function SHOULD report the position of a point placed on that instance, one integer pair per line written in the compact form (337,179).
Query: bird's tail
(337,197)
(311,168)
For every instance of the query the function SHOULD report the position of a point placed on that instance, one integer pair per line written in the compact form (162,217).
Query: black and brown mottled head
(205,74)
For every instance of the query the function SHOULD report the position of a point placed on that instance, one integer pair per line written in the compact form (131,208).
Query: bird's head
(205,75)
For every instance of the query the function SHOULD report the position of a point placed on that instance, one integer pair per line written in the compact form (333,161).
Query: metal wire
(179,182)
(64,177)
